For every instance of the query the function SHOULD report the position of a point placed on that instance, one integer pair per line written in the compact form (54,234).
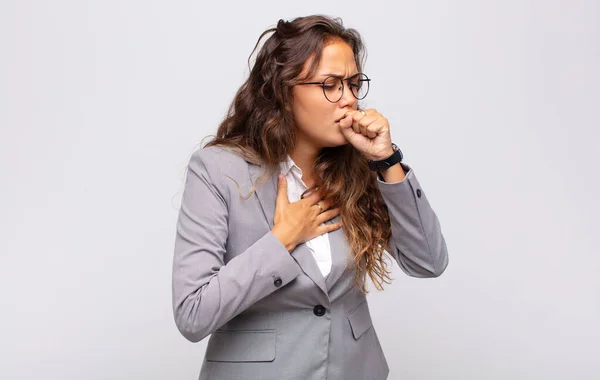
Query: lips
(341,117)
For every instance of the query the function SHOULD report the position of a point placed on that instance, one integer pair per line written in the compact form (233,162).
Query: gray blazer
(271,314)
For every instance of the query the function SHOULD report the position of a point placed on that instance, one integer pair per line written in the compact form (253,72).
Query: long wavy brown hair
(260,127)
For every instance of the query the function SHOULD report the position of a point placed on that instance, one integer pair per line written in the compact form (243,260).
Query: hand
(369,133)
(297,222)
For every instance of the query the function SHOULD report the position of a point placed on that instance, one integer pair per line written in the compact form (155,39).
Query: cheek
(314,104)
(313,109)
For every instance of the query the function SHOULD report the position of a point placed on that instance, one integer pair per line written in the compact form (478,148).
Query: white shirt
(319,245)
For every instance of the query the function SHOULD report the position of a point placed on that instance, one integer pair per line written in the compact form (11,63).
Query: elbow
(439,256)
(427,272)
(192,335)
(192,331)
(425,265)
(442,259)
(440,268)
(440,262)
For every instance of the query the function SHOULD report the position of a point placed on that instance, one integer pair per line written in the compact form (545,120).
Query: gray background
(495,105)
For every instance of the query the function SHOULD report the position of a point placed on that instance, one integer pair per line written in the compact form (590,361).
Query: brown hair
(260,127)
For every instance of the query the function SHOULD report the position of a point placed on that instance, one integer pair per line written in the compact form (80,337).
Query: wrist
(388,160)
(284,239)
(394,173)
(382,156)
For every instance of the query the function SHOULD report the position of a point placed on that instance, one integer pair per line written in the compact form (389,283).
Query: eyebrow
(337,75)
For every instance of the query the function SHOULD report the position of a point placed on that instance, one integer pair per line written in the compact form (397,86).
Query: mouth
(340,118)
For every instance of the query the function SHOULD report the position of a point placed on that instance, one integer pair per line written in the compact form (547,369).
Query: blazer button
(277,282)
(419,193)
(319,310)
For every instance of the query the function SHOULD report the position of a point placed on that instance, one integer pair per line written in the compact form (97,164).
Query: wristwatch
(382,165)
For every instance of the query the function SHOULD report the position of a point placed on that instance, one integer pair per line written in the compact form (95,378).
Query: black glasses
(333,87)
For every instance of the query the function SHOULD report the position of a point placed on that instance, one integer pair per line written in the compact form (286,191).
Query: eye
(331,83)
(356,81)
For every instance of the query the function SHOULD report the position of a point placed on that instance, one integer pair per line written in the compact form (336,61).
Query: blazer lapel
(267,195)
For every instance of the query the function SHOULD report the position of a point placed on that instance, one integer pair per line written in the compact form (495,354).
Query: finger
(317,209)
(355,115)
(370,125)
(328,215)
(360,121)
(328,228)
(325,204)
(363,115)
(366,120)
(358,114)
(282,195)
(347,121)
(356,126)
(346,129)
(373,130)
(312,198)
(363,130)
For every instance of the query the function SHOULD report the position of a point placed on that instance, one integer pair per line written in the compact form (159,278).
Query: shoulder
(224,169)
(215,160)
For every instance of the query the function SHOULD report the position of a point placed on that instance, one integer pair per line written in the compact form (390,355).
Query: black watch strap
(382,165)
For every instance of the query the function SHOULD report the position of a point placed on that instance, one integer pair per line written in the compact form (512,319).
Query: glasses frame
(322,84)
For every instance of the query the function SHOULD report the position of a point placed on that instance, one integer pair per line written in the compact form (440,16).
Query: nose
(347,99)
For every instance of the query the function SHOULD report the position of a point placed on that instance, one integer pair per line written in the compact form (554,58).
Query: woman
(273,266)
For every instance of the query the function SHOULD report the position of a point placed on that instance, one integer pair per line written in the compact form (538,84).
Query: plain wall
(495,105)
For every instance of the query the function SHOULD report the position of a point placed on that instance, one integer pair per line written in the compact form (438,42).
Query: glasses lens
(359,85)
(332,87)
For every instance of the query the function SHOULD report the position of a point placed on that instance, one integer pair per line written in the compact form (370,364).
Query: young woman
(288,210)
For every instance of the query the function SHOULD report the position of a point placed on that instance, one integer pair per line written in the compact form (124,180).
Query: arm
(207,292)
(417,243)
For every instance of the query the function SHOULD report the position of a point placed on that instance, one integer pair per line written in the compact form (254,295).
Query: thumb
(282,195)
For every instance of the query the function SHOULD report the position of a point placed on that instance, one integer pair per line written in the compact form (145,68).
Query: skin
(324,124)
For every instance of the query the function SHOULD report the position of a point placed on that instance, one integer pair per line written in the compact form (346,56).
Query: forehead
(337,58)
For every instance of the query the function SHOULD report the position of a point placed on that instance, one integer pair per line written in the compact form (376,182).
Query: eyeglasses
(333,87)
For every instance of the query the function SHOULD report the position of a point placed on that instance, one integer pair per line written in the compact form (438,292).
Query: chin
(335,141)
(334,137)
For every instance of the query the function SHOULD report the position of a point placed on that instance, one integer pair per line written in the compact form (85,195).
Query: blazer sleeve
(417,243)
(207,292)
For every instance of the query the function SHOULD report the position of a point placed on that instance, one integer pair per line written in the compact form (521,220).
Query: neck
(304,155)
